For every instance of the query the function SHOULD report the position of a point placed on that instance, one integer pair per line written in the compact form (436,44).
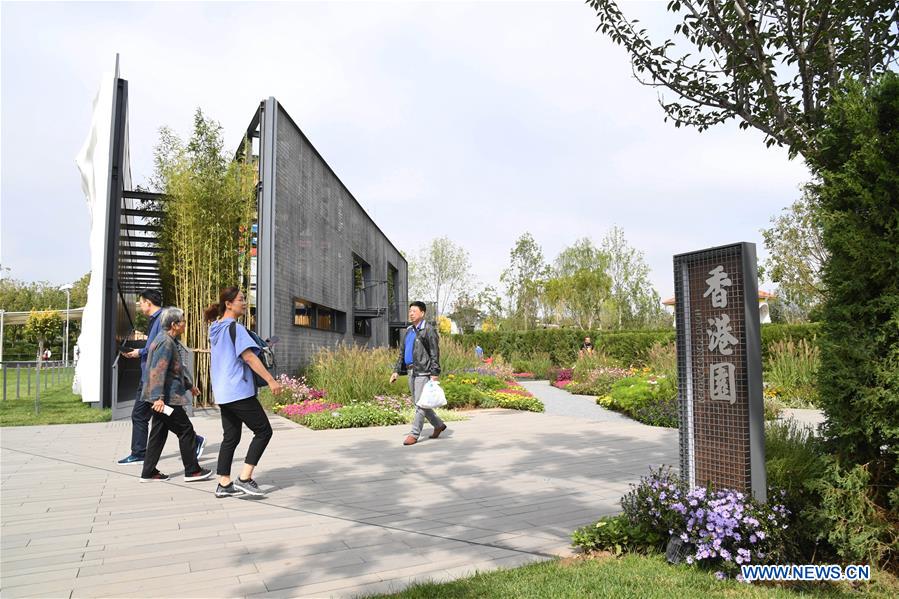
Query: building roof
(763,295)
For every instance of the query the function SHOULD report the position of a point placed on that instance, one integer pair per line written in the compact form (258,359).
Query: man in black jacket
(420,359)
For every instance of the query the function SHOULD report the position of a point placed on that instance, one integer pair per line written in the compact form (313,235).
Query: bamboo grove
(206,230)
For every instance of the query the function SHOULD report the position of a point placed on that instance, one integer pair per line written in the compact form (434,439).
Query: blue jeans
(140,424)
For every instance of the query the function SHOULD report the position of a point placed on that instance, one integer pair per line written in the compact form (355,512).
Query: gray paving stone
(356,512)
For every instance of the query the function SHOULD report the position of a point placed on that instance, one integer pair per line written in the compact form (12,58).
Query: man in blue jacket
(419,357)
(150,302)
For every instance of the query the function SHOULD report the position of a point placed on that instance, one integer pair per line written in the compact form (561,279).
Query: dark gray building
(325,272)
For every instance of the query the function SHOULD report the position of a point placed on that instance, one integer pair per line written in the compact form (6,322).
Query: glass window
(362,327)
(326,319)
(303,313)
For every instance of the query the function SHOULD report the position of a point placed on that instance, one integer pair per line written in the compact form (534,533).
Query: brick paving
(349,513)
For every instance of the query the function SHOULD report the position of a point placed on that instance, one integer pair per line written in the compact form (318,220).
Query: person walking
(420,359)
(149,302)
(234,361)
(168,389)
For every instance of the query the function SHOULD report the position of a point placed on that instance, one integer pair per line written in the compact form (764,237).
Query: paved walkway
(350,512)
(812,419)
(562,403)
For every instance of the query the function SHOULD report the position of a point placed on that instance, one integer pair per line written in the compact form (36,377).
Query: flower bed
(563,377)
(720,529)
(308,406)
(472,390)
(598,381)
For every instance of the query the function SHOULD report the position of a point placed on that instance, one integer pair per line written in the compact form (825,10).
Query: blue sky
(482,120)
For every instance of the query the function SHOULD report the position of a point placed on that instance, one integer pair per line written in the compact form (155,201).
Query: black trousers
(234,415)
(179,424)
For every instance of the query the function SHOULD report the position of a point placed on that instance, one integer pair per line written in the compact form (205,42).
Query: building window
(314,316)
(362,327)
(326,320)
(303,313)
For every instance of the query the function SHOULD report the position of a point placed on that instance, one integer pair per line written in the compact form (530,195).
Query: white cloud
(488,119)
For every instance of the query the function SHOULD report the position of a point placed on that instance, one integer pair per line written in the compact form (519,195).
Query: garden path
(349,512)
(562,403)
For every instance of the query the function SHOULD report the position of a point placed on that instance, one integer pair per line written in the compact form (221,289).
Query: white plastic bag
(432,396)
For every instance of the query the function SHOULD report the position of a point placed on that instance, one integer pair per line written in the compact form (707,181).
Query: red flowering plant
(299,399)
(563,377)
(298,411)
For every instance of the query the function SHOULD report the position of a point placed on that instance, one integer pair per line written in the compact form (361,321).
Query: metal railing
(26,380)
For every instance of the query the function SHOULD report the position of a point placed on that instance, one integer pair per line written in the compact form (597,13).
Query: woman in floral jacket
(169,388)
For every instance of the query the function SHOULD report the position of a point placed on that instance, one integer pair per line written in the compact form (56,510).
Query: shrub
(649,399)
(539,364)
(795,461)
(662,359)
(628,347)
(858,172)
(455,356)
(461,395)
(791,369)
(858,529)
(773,407)
(354,416)
(596,382)
(352,374)
(616,534)
(594,360)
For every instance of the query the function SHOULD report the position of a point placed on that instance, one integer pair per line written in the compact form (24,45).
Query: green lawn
(630,576)
(57,404)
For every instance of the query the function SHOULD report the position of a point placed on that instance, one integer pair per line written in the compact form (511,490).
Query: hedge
(629,347)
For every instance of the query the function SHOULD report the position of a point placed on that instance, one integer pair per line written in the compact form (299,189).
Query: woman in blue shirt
(233,363)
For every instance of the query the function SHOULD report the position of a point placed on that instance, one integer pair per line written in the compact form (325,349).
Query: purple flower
(720,575)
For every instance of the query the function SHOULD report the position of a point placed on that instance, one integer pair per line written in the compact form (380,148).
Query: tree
(770,64)
(636,302)
(797,255)
(523,280)
(858,187)
(206,228)
(438,272)
(579,289)
(467,313)
(20,296)
(42,327)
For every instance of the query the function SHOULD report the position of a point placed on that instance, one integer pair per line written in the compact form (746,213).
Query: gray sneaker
(249,487)
(229,491)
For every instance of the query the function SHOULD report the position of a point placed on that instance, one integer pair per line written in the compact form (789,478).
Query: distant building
(764,308)
(323,273)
